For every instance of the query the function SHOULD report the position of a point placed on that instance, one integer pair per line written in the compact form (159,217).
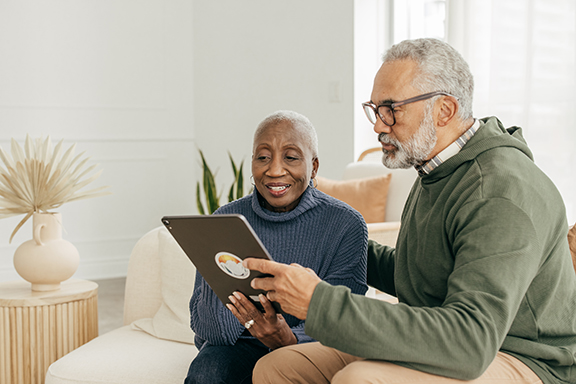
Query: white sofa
(156,344)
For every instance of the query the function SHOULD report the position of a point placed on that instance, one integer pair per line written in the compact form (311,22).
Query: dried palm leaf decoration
(37,178)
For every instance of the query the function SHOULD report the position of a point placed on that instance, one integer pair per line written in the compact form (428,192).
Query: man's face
(413,137)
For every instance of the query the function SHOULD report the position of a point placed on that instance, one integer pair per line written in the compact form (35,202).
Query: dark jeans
(230,364)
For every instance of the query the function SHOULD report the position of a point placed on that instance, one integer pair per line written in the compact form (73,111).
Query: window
(523,57)
(378,25)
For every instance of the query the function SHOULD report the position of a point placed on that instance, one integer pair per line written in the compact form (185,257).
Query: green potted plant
(210,191)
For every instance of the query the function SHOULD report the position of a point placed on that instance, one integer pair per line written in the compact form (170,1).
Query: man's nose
(380,127)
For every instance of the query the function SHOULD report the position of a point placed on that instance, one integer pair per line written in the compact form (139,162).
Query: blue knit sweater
(321,233)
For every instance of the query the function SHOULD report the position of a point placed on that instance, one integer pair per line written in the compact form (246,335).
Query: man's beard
(416,149)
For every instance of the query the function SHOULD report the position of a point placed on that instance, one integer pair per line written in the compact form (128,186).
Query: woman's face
(282,166)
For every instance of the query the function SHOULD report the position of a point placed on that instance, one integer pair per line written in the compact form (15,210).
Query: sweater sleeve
(348,266)
(301,336)
(496,254)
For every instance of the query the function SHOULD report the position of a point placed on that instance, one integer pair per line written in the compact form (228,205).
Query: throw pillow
(572,243)
(172,321)
(368,196)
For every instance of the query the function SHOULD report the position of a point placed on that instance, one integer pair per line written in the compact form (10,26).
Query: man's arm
(459,338)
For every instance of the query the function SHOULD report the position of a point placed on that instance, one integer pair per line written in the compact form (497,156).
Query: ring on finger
(248,324)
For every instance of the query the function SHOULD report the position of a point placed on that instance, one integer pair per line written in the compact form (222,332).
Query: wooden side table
(37,328)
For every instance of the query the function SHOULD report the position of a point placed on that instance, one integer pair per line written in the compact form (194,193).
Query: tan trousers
(314,363)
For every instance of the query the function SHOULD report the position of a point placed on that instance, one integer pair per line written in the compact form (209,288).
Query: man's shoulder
(506,173)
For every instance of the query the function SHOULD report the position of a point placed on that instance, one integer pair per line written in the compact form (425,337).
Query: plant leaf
(20,224)
(233,164)
(38,178)
(28,147)
(240,182)
(212,198)
(198,199)
(7,160)
(231,193)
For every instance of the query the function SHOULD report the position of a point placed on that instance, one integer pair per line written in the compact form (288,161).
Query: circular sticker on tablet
(231,265)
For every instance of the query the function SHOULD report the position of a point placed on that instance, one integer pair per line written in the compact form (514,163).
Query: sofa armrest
(384,233)
(143,293)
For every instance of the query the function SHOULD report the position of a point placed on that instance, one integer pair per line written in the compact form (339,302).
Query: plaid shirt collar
(448,152)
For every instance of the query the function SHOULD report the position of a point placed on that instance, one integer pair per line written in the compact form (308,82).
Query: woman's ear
(315,165)
(447,109)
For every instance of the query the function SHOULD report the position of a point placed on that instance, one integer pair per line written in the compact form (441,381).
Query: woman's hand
(268,327)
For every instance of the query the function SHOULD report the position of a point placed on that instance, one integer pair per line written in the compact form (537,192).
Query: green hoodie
(482,264)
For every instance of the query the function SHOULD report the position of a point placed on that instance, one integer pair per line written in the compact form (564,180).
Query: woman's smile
(278,190)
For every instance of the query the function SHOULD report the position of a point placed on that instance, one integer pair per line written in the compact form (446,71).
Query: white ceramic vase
(47,259)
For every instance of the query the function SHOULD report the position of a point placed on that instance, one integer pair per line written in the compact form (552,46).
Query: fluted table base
(37,328)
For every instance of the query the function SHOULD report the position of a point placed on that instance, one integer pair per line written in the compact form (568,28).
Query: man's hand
(291,286)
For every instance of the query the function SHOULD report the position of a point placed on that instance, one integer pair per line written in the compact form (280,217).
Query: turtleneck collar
(307,201)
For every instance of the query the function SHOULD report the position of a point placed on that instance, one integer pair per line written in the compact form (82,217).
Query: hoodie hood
(491,134)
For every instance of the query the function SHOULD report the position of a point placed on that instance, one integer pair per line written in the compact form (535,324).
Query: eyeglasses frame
(391,106)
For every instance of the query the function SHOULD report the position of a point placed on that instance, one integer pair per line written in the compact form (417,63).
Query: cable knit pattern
(321,233)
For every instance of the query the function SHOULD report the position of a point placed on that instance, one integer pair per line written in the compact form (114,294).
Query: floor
(110,304)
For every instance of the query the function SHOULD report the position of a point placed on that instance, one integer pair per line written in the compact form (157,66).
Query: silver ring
(248,324)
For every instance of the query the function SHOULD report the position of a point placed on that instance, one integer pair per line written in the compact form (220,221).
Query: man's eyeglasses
(386,111)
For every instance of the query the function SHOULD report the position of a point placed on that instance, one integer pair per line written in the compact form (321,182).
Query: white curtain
(523,57)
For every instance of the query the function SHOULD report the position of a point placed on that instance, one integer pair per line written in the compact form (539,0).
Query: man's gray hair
(441,68)
(298,121)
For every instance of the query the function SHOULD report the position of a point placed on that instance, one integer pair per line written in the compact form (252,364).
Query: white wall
(255,57)
(140,85)
(114,77)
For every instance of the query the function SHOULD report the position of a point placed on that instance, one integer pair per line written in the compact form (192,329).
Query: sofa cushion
(124,356)
(172,321)
(398,190)
(368,196)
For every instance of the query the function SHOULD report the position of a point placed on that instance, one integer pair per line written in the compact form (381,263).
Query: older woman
(297,224)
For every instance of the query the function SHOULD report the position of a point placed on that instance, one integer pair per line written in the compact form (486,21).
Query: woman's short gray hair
(298,121)
(441,68)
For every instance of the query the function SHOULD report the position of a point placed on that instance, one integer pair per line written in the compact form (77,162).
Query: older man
(482,268)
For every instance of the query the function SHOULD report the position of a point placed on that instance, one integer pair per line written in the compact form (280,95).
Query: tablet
(216,245)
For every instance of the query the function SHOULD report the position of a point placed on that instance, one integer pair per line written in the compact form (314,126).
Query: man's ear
(315,165)
(446,110)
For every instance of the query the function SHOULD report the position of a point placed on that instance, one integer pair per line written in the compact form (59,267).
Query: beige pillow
(572,243)
(368,196)
(172,321)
